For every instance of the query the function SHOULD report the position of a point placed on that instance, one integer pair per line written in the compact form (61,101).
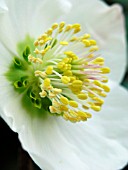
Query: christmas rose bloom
(53,82)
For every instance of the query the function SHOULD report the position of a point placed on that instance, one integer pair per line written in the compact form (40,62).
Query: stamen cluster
(71,74)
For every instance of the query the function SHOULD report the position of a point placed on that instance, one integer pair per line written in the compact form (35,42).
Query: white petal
(48,147)
(3,7)
(106,25)
(113,119)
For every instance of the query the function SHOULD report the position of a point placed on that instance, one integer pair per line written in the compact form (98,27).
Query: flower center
(64,74)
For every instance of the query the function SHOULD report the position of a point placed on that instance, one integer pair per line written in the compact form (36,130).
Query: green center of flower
(63,75)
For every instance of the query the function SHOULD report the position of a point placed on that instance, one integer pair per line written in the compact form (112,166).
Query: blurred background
(12,157)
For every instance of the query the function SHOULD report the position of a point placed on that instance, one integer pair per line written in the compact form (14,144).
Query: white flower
(52,142)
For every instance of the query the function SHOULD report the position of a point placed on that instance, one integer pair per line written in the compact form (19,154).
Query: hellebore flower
(52,81)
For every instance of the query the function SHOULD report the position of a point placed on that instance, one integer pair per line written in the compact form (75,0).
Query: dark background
(12,157)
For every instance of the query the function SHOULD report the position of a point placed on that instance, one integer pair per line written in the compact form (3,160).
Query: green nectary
(21,75)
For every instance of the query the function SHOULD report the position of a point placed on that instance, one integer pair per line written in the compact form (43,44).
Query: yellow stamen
(95,48)
(96,108)
(64,100)
(82,96)
(49,70)
(46,82)
(63,43)
(65,79)
(43,94)
(105,70)
(73,103)
(54,26)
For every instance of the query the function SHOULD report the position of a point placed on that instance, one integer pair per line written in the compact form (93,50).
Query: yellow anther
(53,109)
(44,36)
(63,108)
(46,82)
(82,96)
(52,95)
(49,32)
(49,70)
(73,39)
(96,108)
(90,56)
(38,60)
(73,103)
(88,115)
(73,113)
(76,30)
(30,58)
(85,107)
(86,80)
(76,90)
(72,78)
(62,24)
(41,42)
(63,43)
(77,83)
(92,42)
(99,59)
(60,65)
(34,60)
(105,70)
(40,73)
(36,43)
(65,79)
(99,100)
(48,39)
(86,36)
(95,89)
(55,103)
(68,53)
(64,100)
(70,60)
(43,94)
(91,95)
(96,82)
(86,43)
(39,38)
(68,28)
(43,52)
(68,73)
(68,67)
(60,30)
(75,57)
(54,26)
(76,25)
(57,91)
(100,63)
(94,48)
(65,60)
(47,48)
(98,104)
(37,73)
(67,117)
(105,79)
(102,94)
(37,51)
(106,88)
(81,114)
